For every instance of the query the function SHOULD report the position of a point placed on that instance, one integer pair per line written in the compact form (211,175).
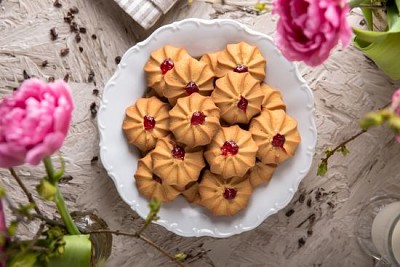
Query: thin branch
(26,191)
(145,239)
(343,144)
(48,220)
(36,237)
(148,241)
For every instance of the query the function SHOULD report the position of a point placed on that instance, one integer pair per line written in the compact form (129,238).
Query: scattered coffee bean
(78,38)
(95,92)
(301,242)
(91,76)
(309,203)
(74,27)
(74,10)
(57,4)
(94,36)
(68,19)
(93,109)
(117,60)
(82,30)
(302,197)
(65,179)
(66,77)
(289,213)
(45,63)
(318,195)
(51,79)
(26,75)
(309,232)
(81,49)
(15,88)
(53,34)
(94,160)
(330,204)
(64,51)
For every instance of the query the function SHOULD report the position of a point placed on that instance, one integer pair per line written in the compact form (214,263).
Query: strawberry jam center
(241,68)
(230,193)
(178,152)
(198,117)
(242,104)
(191,88)
(157,179)
(166,65)
(149,122)
(278,140)
(229,148)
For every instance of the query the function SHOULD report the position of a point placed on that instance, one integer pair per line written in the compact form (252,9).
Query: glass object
(102,242)
(378,230)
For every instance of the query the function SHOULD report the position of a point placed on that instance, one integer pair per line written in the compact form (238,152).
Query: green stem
(49,169)
(59,200)
(65,215)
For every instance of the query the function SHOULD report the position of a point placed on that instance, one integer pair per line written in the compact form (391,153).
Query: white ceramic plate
(128,84)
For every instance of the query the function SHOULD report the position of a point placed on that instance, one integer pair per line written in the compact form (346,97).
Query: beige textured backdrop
(345,87)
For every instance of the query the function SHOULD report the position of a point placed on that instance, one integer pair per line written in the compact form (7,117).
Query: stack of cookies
(209,129)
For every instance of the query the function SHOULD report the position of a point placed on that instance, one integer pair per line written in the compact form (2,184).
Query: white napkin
(146,12)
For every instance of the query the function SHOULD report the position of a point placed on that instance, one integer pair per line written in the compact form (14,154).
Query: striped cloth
(146,12)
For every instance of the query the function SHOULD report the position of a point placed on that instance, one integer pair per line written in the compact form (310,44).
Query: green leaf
(23,260)
(180,256)
(344,150)
(398,5)
(392,17)
(370,120)
(322,168)
(46,190)
(2,192)
(394,123)
(367,12)
(154,206)
(328,151)
(26,209)
(12,228)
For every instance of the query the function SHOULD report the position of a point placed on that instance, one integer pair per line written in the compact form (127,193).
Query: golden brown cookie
(238,96)
(191,193)
(272,98)
(276,136)
(187,77)
(224,196)
(212,60)
(260,173)
(194,120)
(162,61)
(175,164)
(232,152)
(241,57)
(151,185)
(145,122)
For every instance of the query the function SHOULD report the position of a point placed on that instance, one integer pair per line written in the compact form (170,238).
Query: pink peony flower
(396,101)
(309,29)
(34,122)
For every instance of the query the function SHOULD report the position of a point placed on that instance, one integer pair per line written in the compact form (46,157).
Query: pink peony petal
(50,144)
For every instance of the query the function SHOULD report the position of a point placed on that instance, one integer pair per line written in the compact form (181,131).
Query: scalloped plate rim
(206,232)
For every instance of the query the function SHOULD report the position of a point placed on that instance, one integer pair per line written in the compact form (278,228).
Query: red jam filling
(230,193)
(278,140)
(157,179)
(198,117)
(191,88)
(178,152)
(241,68)
(229,148)
(242,104)
(166,65)
(149,122)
